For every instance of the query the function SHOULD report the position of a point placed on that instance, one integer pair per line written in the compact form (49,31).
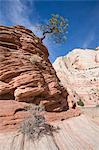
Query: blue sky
(83,16)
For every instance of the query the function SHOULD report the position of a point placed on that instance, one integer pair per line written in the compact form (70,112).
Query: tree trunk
(44,34)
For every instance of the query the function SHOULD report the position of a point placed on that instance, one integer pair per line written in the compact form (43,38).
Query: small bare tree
(56,28)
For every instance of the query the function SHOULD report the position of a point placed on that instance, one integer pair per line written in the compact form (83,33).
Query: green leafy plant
(80,102)
(56,28)
(97,105)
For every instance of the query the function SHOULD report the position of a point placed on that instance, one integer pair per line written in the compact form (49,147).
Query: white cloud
(17,13)
(90,36)
(89,39)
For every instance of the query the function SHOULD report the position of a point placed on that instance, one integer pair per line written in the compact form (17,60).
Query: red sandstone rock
(26,74)
(60,116)
(11,114)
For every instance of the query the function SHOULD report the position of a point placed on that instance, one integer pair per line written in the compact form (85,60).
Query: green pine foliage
(55,28)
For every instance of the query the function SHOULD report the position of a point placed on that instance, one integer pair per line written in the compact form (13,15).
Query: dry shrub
(36,126)
(35,59)
(80,102)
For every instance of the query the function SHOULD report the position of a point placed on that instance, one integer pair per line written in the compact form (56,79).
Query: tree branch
(44,33)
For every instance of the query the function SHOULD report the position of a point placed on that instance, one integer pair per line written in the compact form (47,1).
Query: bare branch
(44,34)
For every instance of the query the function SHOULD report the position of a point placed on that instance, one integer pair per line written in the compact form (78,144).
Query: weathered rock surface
(78,133)
(26,73)
(79,74)
(12,114)
(27,76)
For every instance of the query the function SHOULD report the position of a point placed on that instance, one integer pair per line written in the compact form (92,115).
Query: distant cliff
(79,74)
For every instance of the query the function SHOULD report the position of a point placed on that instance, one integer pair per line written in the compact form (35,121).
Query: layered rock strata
(26,73)
(79,74)
(26,76)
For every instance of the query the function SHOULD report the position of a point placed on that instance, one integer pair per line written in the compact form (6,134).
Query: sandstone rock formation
(12,114)
(78,133)
(26,73)
(78,72)
(26,76)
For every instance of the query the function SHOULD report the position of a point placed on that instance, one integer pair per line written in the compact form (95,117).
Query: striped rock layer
(26,74)
(78,72)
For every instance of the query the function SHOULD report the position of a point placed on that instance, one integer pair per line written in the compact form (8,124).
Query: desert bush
(35,59)
(80,102)
(97,105)
(36,126)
